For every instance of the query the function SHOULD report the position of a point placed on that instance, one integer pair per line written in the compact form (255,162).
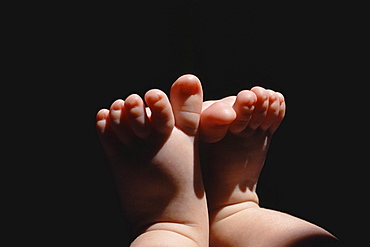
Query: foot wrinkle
(179,233)
(174,231)
(189,111)
(182,223)
(218,209)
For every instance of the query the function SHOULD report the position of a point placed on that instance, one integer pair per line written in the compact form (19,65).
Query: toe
(161,119)
(136,114)
(215,121)
(244,106)
(272,111)
(261,106)
(116,112)
(119,121)
(281,114)
(186,99)
(101,122)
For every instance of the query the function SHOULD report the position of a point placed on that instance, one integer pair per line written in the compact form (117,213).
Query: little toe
(281,114)
(136,114)
(161,118)
(186,99)
(105,132)
(260,108)
(243,106)
(272,111)
(215,121)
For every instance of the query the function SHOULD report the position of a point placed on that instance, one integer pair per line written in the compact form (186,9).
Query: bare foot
(236,133)
(152,155)
(238,130)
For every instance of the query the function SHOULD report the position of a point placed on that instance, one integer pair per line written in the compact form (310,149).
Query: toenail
(154,96)
(132,104)
(191,88)
(133,100)
(102,114)
(116,105)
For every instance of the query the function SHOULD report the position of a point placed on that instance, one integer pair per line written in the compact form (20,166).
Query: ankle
(226,211)
(233,198)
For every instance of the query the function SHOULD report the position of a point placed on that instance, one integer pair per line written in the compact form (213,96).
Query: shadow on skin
(198,180)
(314,240)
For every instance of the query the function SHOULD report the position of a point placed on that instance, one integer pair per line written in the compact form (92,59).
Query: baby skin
(153,155)
(235,133)
(153,158)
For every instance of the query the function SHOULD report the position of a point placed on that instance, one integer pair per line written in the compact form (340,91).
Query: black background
(90,55)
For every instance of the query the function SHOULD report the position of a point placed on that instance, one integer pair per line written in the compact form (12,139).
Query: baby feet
(151,152)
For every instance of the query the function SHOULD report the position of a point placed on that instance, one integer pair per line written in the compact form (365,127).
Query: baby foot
(151,153)
(237,131)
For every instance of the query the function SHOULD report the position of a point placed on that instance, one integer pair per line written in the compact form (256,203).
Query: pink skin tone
(153,159)
(153,155)
(236,132)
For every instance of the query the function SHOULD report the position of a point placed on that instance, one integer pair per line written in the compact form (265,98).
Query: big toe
(186,99)
(215,121)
